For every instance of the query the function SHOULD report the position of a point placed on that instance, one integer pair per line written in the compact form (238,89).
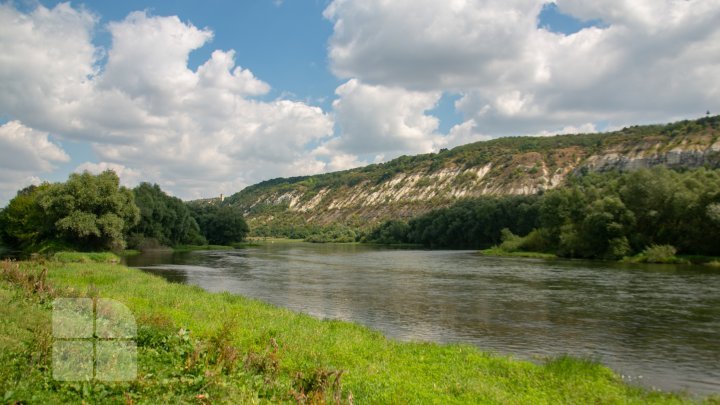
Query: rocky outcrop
(680,156)
(409,186)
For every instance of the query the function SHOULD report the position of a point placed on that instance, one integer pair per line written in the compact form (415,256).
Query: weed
(32,281)
(266,363)
(314,387)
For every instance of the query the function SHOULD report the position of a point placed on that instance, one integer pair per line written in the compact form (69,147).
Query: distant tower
(222,197)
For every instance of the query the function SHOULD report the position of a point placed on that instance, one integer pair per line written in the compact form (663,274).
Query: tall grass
(195,346)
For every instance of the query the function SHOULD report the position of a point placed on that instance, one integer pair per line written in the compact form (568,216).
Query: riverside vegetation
(648,215)
(94,213)
(200,347)
(347,205)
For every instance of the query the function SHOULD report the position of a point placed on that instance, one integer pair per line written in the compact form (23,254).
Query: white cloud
(651,60)
(427,44)
(25,152)
(47,61)
(587,128)
(463,133)
(128,177)
(26,149)
(195,132)
(380,119)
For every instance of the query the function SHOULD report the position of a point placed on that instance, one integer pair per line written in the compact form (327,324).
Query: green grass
(130,252)
(86,257)
(497,251)
(195,346)
(642,258)
(699,259)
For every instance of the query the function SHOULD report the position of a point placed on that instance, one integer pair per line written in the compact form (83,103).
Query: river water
(657,326)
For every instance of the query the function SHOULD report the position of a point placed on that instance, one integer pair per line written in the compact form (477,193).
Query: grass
(130,252)
(497,251)
(86,257)
(699,259)
(195,346)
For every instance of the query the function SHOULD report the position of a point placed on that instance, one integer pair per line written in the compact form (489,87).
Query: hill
(411,185)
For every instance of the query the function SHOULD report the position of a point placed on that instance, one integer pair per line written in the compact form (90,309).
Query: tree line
(94,212)
(595,215)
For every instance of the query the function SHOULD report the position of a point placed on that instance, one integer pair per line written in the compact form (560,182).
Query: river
(657,326)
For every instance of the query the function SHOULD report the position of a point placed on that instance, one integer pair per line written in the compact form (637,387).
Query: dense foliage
(467,224)
(93,212)
(597,215)
(88,212)
(164,220)
(220,224)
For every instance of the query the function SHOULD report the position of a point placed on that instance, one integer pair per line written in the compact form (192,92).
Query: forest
(95,213)
(595,215)
(609,215)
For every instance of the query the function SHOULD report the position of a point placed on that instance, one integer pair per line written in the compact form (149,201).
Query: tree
(164,219)
(220,224)
(90,211)
(23,224)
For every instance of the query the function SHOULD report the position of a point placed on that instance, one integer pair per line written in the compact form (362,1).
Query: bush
(659,254)
(510,241)
(537,240)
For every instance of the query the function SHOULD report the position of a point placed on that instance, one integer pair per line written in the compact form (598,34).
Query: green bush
(510,241)
(537,240)
(659,254)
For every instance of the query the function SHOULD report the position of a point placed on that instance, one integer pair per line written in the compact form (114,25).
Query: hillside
(411,185)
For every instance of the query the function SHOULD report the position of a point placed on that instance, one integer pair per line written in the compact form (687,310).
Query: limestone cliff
(410,185)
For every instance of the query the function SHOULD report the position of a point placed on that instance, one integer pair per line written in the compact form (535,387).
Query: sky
(205,98)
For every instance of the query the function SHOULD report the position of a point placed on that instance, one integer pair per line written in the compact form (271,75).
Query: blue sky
(209,97)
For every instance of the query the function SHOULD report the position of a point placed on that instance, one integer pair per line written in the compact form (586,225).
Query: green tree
(23,224)
(90,211)
(220,224)
(163,220)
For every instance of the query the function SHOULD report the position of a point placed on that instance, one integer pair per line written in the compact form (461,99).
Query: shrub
(659,254)
(537,240)
(510,241)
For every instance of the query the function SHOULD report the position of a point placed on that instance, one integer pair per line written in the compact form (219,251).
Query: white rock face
(533,172)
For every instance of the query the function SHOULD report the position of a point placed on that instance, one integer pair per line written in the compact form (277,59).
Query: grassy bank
(496,251)
(709,261)
(194,346)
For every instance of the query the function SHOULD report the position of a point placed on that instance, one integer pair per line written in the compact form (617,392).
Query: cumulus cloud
(26,149)
(426,44)
(47,62)
(649,61)
(379,119)
(128,177)
(25,152)
(196,132)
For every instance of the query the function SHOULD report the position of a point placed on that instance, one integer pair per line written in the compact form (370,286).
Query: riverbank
(706,261)
(195,346)
(498,252)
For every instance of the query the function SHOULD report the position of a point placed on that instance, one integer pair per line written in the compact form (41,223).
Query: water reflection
(658,322)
